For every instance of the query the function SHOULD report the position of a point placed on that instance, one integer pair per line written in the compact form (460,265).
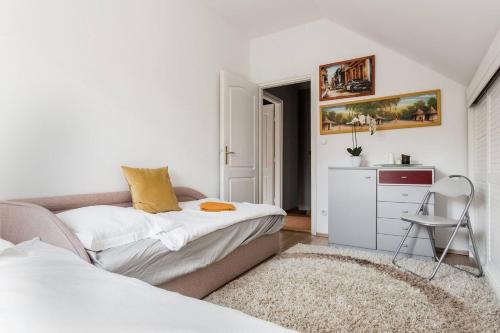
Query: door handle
(227,153)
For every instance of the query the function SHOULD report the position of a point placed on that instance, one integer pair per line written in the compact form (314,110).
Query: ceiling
(449,36)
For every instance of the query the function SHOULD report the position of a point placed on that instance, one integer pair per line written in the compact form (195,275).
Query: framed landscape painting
(417,109)
(346,79)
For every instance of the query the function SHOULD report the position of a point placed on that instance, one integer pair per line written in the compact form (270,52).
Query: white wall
(87,86)
(299,51)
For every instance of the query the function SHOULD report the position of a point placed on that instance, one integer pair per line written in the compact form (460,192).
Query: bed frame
(24,219)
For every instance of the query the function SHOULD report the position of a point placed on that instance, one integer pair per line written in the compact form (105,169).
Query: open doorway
(286,152)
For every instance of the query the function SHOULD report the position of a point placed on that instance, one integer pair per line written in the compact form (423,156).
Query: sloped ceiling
(449,36)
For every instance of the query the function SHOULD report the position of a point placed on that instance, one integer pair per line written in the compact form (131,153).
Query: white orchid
(362,119)
(372,126)
(354,121)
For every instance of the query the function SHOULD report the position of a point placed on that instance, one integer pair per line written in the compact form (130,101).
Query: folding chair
(452,186)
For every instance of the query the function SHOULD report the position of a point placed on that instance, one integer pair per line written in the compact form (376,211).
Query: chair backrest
(454,186)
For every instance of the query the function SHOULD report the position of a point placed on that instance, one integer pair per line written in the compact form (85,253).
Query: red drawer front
(414,177)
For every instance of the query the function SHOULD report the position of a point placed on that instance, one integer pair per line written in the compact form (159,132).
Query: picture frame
(417,109)
(347,79)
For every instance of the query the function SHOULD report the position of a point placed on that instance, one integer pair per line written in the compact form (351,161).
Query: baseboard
(286,228)
(461,252)
(305,208)
(493,277)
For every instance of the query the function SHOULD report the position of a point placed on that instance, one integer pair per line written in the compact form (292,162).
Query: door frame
(314,132)
(278,148)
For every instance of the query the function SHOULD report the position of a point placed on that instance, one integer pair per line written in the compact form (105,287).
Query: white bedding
(103,227)
(49,289)
(5,244)
(196,223)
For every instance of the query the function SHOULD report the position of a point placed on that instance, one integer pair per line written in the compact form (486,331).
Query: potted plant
(356,150)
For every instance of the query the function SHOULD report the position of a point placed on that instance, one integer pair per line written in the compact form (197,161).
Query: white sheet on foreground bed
(51,290)
(197,223)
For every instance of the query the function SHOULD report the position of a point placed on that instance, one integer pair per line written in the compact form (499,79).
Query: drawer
(398,228)
(393,210)
(417,246)
(413,177)
(403,193)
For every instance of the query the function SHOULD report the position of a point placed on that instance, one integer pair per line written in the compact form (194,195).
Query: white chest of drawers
(401,191)
(365,205)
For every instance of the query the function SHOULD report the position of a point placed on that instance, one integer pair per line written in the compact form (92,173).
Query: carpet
(323,289)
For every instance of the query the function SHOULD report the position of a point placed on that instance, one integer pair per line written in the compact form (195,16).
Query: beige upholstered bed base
(202,282)
(24,219)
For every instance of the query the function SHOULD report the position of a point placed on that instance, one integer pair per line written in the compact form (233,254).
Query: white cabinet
(352,207)
(365,205)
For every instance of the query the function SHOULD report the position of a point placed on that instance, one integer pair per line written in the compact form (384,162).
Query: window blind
(484,171)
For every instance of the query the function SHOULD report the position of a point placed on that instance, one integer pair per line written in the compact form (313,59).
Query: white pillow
(103,227)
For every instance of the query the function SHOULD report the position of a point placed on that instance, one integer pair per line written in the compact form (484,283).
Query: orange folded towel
(216,206)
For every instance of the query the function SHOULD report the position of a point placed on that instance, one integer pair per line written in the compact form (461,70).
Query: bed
(45,288)
(22,220)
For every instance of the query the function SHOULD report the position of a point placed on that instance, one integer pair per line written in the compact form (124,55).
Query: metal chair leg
(433,244)
(445,251)
(474,247)
(408,270)
(440,261)
(401,244)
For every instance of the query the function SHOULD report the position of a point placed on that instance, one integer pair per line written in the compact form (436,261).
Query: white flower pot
(356,161)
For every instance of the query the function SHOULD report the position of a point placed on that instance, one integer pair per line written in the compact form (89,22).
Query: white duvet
(194,223)
(48,289)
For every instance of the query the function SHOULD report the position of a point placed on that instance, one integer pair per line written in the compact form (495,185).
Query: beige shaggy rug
(322,289)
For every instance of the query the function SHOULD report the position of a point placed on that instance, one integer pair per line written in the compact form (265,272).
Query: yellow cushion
(151,189)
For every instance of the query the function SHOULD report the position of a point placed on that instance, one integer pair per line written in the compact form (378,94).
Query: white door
(239,139)
(267,131)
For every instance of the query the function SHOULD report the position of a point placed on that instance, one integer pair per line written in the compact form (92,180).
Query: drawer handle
(368,177)
(406,229)
(405,245)
(404,177)
(405,212)
(404,194)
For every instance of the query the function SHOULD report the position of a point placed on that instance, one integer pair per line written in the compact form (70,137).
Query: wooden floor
(290,238)
(296,222)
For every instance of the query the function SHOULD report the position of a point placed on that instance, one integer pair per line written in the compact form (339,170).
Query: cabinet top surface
(398,167)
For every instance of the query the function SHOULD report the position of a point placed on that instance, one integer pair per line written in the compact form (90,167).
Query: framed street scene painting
(346,79)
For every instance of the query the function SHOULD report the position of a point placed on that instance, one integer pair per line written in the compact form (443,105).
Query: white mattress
(49,289)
